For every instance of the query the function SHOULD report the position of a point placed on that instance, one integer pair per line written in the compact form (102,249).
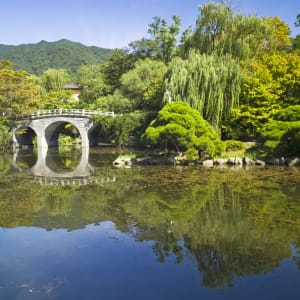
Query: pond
(73,226)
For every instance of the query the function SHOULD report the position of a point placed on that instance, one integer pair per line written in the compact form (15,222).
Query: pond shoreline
(128,161)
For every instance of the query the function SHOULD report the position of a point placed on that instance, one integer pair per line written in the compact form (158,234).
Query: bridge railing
(73,112)
(73,181)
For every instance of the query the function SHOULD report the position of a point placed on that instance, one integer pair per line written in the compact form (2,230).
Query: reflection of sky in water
(87,262)
(99,262)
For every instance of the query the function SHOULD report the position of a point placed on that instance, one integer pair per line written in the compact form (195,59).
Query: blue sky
(113,23)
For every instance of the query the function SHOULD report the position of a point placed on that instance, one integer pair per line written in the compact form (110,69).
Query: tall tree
(19,92)
(91,80)
(57,99)
(165,37)
(271,83)
(143,85)
(54,79)
(209,83)
(219,30)
(296,40)
(163,42)
(296,43)
(297,22)
(280,34)
(119,63)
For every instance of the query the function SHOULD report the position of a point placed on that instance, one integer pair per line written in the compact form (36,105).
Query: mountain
(36,58)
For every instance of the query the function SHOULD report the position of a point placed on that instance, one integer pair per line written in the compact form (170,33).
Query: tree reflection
(231,222)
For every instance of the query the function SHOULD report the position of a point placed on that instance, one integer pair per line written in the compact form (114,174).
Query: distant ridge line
(66,54)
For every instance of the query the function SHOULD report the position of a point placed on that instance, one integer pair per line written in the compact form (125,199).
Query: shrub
(180,127)
(282,135)
(289,114)
(192,154)
(124,130)
(233,145)
(4,136)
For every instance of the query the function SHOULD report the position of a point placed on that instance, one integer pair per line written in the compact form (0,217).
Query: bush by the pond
(282,135)
(192,154)
(180,127)
(289,114)
(124,130)
(233,145)
(4,136)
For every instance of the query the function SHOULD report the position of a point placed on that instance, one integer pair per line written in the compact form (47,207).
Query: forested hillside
(36,58)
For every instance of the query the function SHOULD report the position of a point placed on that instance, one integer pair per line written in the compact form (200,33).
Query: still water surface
(72,226)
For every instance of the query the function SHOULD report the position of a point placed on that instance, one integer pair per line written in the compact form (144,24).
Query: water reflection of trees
(233,223)
(226,242)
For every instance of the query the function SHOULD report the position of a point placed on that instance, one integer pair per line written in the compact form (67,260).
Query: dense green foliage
(220,31)
(209,83)
(281,136)
(182,128)
(4,136)
(36,58)
(233,145)
(54,79)
(123,130)
(56,99)
(296,40)
(271,83)
(238,71)
(19,92)
(291,113)
(143,84)
(139,89)
(162,44)
(91,80)
(119,63)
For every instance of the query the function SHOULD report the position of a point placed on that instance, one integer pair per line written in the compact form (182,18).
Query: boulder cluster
(233,161)
(181,160)
(245,161)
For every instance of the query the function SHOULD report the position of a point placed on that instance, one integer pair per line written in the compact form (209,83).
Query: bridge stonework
(46,126)
(42,172)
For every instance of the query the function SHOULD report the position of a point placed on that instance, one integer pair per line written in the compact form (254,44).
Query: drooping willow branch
(209,83)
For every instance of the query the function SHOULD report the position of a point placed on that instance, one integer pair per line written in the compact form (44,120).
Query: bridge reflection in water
(51,166)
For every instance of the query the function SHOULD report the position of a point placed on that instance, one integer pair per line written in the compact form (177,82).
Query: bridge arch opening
(24,159)
(94,135)
(62,133)
(25,137)
(62,162)
(65,164)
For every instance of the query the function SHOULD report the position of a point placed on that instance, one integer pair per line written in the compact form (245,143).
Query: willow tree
(220,30)
(54,79)
(209,83)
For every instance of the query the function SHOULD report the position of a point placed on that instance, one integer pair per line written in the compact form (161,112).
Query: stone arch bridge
(47,124)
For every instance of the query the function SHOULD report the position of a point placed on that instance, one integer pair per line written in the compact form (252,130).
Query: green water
(152,232)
